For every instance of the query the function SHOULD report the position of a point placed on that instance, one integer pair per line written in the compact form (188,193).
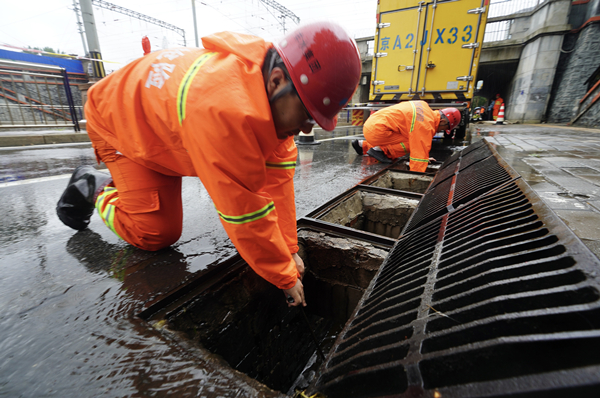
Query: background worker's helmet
(324,65)
(453,116)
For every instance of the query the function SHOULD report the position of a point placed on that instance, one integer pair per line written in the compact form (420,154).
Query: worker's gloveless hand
(299,264)
(297,293)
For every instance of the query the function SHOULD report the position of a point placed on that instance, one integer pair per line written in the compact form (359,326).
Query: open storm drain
(246,321)
(233,313)
(377,213)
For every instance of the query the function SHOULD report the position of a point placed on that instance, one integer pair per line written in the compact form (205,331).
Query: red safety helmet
(324,65)
(453,116)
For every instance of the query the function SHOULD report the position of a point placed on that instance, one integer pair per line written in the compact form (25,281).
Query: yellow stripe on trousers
(106,208)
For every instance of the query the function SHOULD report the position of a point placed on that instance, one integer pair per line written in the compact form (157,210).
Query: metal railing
(35,95)
(500,30)
(501,8)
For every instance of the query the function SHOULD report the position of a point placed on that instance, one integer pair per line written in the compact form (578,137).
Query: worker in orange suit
(405,128)
(227,114)
(497,104)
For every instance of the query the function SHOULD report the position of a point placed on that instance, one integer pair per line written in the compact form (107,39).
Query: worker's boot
(379,155)
(76,205)
(357,145)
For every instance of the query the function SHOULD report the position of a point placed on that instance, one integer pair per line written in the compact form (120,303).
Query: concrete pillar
(532,84)
(542,33)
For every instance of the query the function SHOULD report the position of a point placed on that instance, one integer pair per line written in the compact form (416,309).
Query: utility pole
(195,24)
(89,23)
(80,25)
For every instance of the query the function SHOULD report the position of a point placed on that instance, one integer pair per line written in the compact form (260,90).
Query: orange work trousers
(390,143)
(145,208)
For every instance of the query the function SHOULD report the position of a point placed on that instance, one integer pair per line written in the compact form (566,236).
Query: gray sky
(52,23)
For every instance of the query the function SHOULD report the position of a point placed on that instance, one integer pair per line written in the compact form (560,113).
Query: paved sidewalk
(560,163)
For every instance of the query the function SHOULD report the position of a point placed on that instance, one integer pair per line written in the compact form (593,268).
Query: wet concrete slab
(561,164)
(543,186)
(561,201)
(585,224)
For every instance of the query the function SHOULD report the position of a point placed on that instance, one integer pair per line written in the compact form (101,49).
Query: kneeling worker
(227,114)
(407,127)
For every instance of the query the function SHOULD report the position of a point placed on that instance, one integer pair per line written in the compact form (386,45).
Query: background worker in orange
(227,114)
(407,127)
(497,104)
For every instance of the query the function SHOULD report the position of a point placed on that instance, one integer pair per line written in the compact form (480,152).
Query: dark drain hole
(503,257)
(511,305)
(544,324)
(246,321)
(389,381)
(379,356)
(489,291)
(384,339)
(496,276)
(513,359)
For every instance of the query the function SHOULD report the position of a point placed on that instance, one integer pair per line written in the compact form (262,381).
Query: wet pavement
(69,301)
(562,165)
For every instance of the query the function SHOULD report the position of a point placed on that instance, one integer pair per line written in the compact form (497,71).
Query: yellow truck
(428,50)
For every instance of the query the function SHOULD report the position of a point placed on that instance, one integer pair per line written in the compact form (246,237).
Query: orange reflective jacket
(497,104)
(402,128)
(205,113)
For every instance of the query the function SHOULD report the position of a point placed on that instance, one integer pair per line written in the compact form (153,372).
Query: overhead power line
(142,17)
(284,12)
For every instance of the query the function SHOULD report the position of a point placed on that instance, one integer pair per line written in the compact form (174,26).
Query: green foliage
(478,101)
(46,49)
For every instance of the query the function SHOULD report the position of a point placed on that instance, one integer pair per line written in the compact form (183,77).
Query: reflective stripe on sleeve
(419,160)
(282,165)
(414,116)
(244,218)
(404,147)
(186,82)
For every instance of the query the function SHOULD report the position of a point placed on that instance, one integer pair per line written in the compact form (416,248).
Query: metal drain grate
(494,298)
(473,172)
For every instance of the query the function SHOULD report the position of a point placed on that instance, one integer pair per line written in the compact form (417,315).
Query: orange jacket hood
(247,47)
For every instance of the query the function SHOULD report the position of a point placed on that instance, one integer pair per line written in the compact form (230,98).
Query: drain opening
(246,321)
(380,214)
(404,181)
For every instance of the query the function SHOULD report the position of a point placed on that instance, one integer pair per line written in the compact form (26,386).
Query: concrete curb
(43,139)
